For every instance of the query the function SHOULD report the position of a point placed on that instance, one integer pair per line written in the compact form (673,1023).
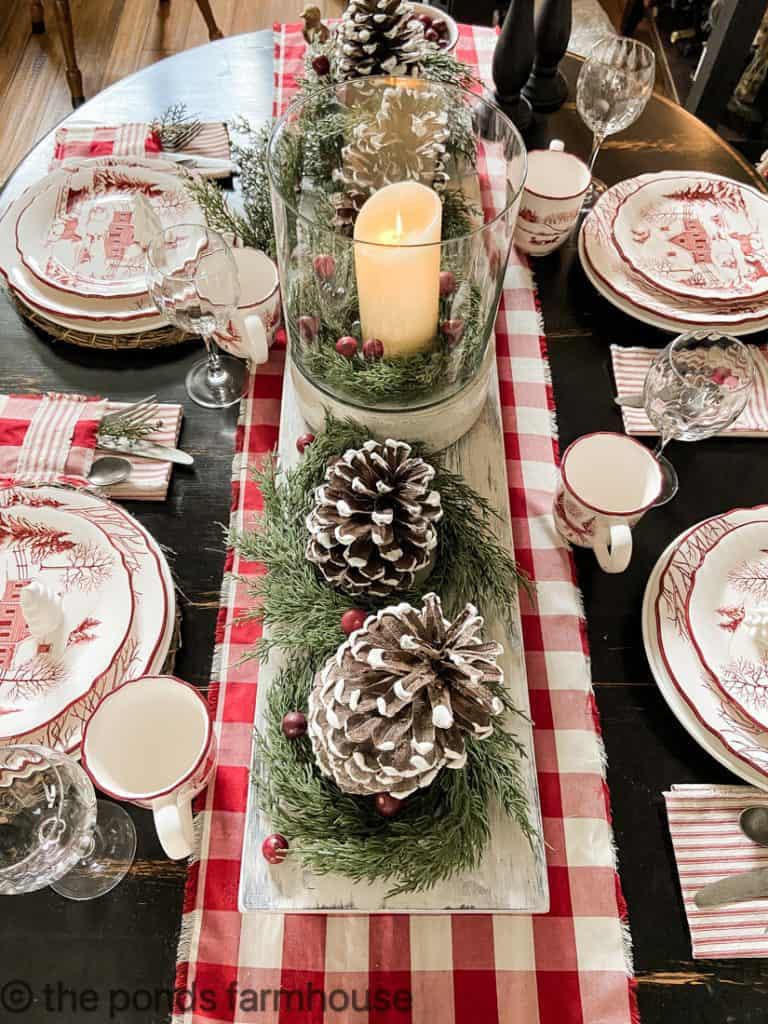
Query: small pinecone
(394,704)
(372,527)
(378,37)
(347,205)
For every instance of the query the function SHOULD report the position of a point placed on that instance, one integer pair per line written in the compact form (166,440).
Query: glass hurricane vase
(395,201)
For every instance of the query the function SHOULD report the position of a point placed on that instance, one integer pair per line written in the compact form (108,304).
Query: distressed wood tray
(512,876)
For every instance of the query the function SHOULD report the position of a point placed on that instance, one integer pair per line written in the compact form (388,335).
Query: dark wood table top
(127,940)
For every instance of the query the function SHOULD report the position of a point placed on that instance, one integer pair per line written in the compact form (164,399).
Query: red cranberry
(453,331)
(309,327)
(321,65)
(324,266)
(347,346)
(281,338)
(294,724)
(352,620)
(447,283)
(274,848)
(386,804)
(302,441)
(373,349)
(425,19)
(440,26)
(431,36)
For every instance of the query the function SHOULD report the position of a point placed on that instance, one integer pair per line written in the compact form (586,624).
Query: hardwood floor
(113,38)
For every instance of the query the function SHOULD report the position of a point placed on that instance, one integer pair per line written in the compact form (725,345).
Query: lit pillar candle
(398,275)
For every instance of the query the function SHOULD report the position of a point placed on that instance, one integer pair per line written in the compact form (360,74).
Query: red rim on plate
(664,284)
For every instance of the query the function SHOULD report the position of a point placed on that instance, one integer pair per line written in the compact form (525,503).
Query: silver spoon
(630,401)
(110,469)
(753,822)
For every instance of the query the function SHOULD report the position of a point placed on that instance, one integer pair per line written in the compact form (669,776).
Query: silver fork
(130,410)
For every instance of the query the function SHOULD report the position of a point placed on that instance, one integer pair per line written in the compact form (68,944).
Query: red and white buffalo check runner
(570,966)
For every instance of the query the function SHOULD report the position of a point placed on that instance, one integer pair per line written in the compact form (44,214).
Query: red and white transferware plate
(78,235)
(726,603)
(696,236)
(148,640)
(701,706)
(615,280)
(75,561)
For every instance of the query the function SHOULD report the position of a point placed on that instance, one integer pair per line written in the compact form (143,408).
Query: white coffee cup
(252,326)
(607,482)
(151,742)
(554,191)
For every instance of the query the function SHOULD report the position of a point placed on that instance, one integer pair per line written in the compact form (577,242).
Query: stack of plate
(680,251)
(116,603)
(705,628)
(68,249)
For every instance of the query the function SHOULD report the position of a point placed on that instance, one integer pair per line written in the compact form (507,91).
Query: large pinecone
(394,704)
(378,37)
(372,527)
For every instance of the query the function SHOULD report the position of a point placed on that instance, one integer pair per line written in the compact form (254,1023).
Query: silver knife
(748,885)
(145,450)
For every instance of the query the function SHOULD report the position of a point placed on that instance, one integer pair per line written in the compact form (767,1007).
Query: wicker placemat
(161,337)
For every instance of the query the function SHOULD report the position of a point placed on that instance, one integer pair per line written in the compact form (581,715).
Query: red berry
(452,331)
(386,804)
(274,848)
(324,266)
(425,19)
(447,283)
(294,724)
(347,346)
(321,65)
(373,349)
(352,620)
(431,36)
(281,338)
(308,328)
(302,441)
(440,26)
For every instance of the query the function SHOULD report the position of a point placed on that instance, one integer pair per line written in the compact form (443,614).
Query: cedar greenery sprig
(439,831)
(303,613)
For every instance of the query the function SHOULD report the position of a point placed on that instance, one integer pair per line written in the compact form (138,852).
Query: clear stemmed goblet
(54,832)
(614,84)
(192,278)
(696,387)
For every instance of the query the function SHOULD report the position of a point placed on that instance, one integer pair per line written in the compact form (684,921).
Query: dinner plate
(701,707)
(673,324)
(77,235)
(617,282)
(153,624)
(696,236)
(727,592)
(86,575)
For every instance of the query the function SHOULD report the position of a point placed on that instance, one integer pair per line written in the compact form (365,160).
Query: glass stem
(661,444)
(597,140)
(216,372)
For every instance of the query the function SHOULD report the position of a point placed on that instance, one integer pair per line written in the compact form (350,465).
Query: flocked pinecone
(378,37)
(406,140)
(372,527)
(394,704)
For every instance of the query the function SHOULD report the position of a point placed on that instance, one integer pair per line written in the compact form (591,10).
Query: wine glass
(192,278)
(54,832)
(614,84)
(695,388)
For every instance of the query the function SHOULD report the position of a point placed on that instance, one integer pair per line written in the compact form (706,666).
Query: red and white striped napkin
(89,139)
(630,365)
(52,437)
(709,845)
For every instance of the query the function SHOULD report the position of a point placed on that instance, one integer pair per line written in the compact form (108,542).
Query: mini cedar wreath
(428,682)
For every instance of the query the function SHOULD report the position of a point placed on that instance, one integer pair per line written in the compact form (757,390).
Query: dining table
(127,940)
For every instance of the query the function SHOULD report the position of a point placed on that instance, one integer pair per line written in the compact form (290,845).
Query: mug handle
(253,336)
(617,558)
(173,822)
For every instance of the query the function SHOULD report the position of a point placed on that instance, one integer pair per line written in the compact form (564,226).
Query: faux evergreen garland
(444,828)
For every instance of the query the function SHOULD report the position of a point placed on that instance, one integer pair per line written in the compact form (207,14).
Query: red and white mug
(151,742)
(552,197)
(607,483)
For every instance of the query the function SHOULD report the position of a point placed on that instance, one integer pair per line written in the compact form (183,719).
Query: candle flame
(394,235)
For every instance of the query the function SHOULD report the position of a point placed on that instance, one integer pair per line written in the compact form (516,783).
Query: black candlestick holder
(546,89)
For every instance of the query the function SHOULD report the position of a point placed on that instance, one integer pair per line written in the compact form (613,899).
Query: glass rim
(591,54)
(301,100)
(225,248)
(712,336)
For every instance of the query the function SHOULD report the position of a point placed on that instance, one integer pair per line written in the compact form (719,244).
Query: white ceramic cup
(554,191)
(607,482)
(253,325)
(151,742)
